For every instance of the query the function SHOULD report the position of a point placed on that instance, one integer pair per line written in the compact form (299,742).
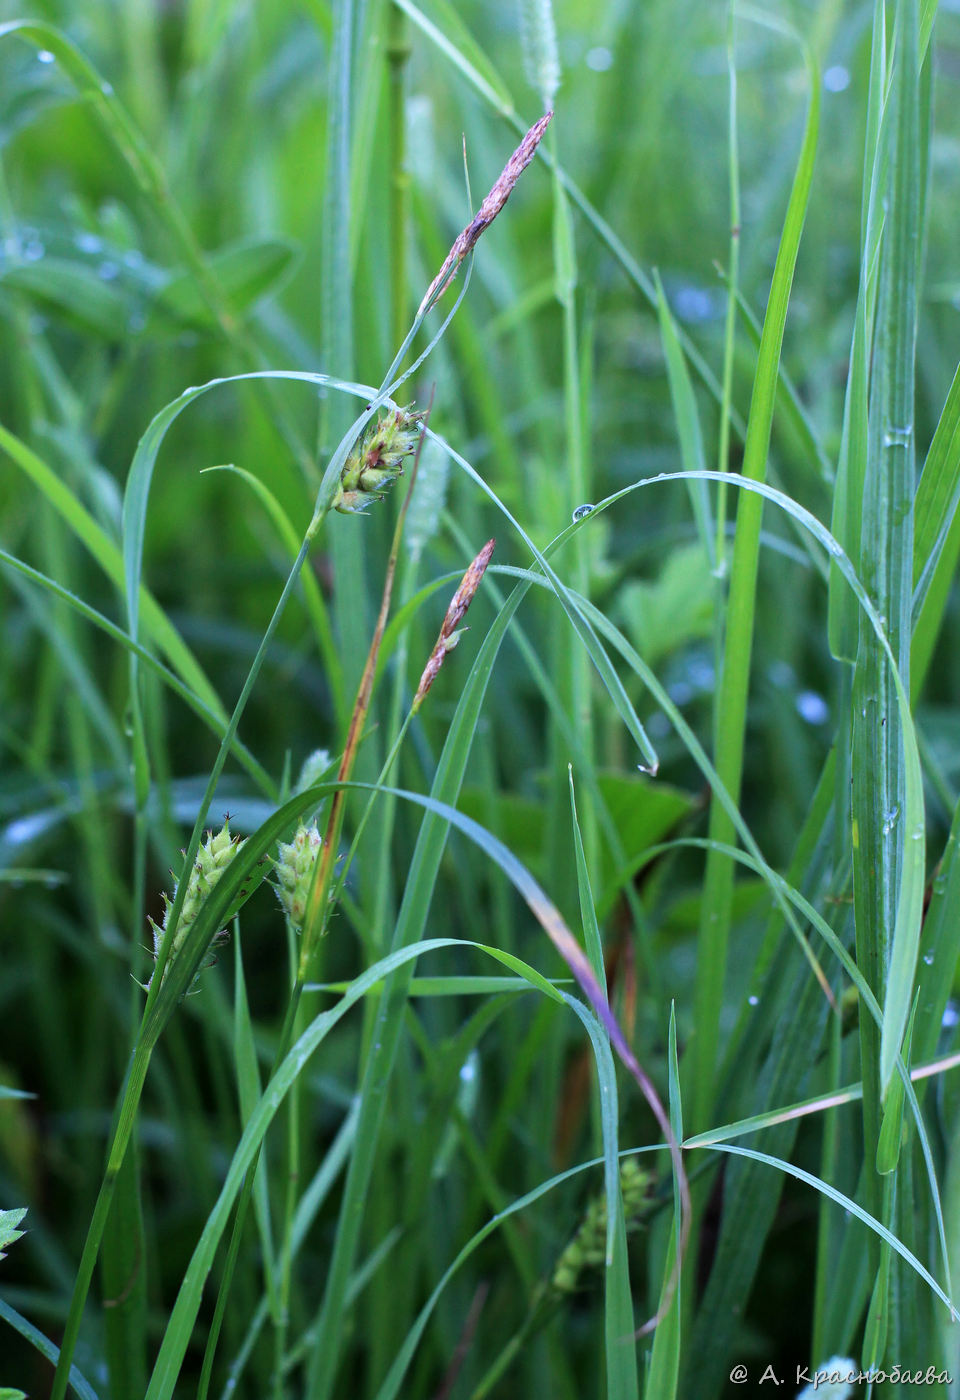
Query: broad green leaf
(245,271)
(76,293)
(673,610)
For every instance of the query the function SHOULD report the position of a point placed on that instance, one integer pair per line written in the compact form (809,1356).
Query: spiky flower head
(294,870)
(451,630)
(215,854)
(376,459)
(587,1249)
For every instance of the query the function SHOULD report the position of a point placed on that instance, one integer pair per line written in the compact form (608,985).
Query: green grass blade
(888,851)
(108,556)
(588,908)
(688,425)
(313,596)
(215,720)
(851,1206)
(664,1373)
(936,540)
(78,1383)
(730,718)
(124,1276)
(581,626)
(249,1090)
(178,1333)
(622,1380)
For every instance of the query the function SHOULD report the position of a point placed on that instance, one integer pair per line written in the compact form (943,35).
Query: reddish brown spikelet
(449,636)
(489,209)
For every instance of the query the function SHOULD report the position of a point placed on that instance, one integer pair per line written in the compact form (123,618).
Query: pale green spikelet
(376,459)
(313,768)
(541,57)
(215,854)
(587,1250)
(294,870)
(428,499)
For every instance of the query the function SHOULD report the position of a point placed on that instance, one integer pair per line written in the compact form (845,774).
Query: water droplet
(696,304)
(836,78)
(133,258)
(582,511)
(33,250)
(834,547)
(88,242)
(45,56)
(107,89)
(599,59)
(951,1015)
(108,270)
(812,707)
(898,437)
(890,820)
(753,1000)
(701,673)
(928,959)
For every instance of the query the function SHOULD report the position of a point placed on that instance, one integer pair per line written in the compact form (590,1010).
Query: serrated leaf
(9,1220)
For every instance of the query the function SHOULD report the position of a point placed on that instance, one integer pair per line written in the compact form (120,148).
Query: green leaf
(845,1202)
(618,1322)
(691,448)
(249,1090)
(75,1379)
(936,538)
(673,610)
(731,702)
(9,1220)
(245,271)
(108,556)
(75,292)
(664,1373)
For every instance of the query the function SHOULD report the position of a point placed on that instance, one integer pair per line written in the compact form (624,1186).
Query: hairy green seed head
(294,871)
(376,459)
(213,857)
(587,1250)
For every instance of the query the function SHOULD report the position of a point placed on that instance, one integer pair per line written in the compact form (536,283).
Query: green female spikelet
(213,857)
(587,1249)
(376,459)
(294,871)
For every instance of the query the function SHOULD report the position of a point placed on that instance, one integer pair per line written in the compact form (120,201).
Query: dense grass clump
(596,1036)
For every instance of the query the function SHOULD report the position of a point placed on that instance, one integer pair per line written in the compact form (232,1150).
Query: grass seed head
(376,459)
(213,857)
(587,1250)
(294,871)
(450,632)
